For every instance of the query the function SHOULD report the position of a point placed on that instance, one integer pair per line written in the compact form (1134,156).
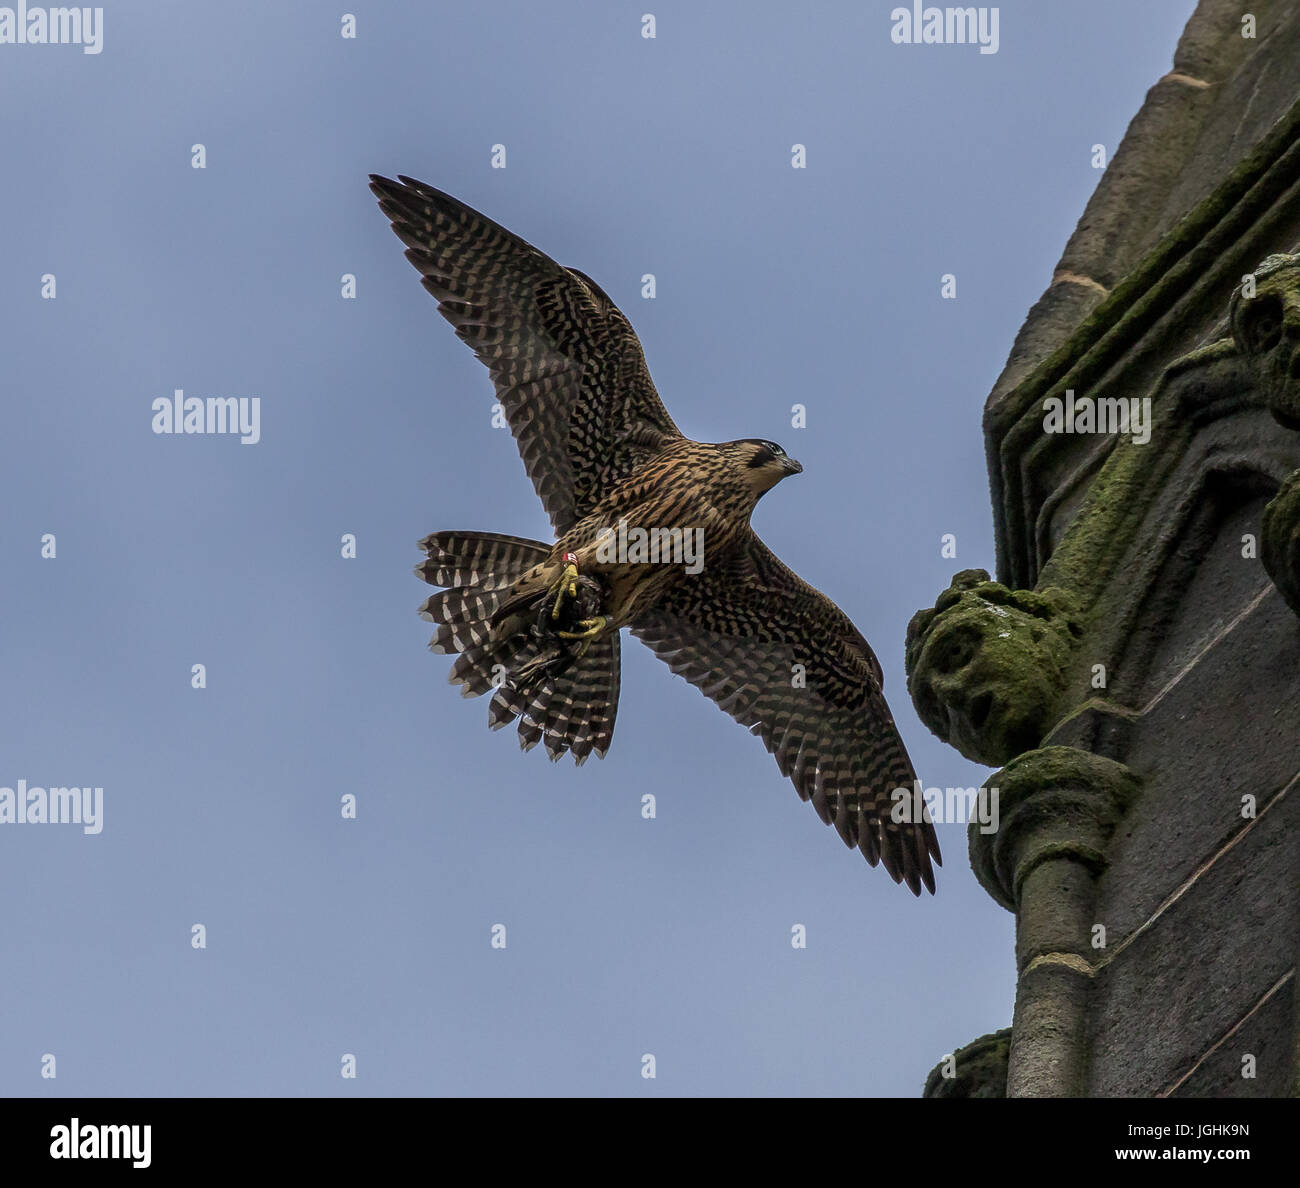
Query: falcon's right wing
(737,632)
(567,366)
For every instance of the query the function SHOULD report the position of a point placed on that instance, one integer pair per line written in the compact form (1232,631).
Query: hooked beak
(791,466)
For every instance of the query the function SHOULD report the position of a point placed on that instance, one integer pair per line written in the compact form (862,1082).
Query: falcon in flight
(537,625)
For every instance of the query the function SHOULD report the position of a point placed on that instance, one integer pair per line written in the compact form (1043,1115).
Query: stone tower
(1135,669)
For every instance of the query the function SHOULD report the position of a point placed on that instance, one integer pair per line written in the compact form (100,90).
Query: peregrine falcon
(653,534)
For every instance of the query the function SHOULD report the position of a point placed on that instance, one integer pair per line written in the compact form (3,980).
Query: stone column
(1058,807)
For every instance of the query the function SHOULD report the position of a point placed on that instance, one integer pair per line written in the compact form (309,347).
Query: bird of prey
(538,624)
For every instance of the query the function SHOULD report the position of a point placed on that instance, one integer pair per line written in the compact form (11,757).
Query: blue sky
(774,286)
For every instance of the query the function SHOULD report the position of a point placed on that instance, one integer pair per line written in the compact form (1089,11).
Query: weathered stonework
(1266,329)
(1136,667)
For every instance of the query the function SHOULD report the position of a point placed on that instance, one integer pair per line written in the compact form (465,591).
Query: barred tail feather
(487,560)
(573,710)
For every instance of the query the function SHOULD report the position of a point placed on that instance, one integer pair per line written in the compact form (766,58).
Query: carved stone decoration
(1266,328)
(986,666)
(994,671)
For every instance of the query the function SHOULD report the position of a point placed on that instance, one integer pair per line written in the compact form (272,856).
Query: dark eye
(775,450)
(1263,325)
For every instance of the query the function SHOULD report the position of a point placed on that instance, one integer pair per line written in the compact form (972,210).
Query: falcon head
(762,463)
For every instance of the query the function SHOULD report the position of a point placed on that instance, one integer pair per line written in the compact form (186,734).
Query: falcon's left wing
(737,631)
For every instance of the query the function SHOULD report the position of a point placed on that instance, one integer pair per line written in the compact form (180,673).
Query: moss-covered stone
(1266,327)
(977,1070)
(986,665)
(1280,541)
(1192,268)
(1053,802)
(1133,621)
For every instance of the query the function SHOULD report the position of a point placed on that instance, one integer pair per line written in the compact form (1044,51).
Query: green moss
(1065,785)
(1064,767)
(980,1069)
(1117,502)
(986,667)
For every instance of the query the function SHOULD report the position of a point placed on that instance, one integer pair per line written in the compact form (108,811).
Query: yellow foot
(566,586)
(588,630)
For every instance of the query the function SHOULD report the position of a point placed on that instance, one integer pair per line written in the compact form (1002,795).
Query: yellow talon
(565,587)
(589,629)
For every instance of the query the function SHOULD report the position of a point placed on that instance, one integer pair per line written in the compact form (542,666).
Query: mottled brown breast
(690,493)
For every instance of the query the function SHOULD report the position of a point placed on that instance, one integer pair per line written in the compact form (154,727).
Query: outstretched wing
(784,660)
(568,368)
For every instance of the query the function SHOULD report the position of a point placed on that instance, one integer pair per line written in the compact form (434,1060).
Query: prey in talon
(574,615)
(566,620)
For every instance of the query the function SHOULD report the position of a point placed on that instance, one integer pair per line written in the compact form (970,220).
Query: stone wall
(1135,669)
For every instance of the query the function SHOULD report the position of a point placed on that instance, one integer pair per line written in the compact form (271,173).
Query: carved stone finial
(986,666)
